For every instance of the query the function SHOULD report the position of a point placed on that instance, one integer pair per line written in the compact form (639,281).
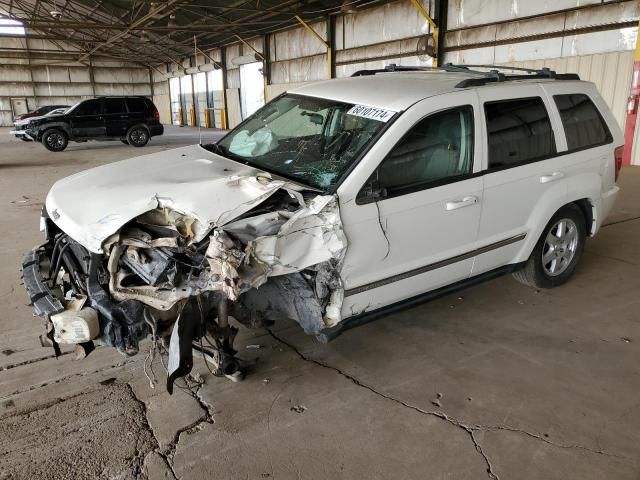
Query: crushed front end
(177,278)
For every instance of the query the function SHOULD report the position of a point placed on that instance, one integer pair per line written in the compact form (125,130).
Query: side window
(114,105)
(89,107)
(438,147)
(136,105)
(519,131)
(583,124)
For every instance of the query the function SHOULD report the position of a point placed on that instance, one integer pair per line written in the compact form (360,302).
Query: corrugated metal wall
(611,72)
(57,81)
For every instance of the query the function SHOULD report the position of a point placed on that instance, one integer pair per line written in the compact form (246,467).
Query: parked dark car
(133,120)
(38,112)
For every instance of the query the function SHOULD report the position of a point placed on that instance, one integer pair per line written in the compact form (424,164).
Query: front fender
(60,125)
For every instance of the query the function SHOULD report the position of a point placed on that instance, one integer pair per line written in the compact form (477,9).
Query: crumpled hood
(92,205)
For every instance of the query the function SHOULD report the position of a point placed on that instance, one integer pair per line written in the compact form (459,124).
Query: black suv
(133,120)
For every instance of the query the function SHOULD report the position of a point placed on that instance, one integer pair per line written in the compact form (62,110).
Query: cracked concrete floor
(498,381)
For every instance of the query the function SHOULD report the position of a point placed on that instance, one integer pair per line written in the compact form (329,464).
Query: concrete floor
(498,381)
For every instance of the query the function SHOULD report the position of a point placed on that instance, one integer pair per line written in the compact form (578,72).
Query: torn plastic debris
(277,255)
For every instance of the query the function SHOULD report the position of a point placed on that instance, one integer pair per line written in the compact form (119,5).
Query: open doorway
(176,108)
(251,88)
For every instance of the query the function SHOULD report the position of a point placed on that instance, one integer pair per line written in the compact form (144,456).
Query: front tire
(125,141)
(558,250)
(138,136)
(55,140)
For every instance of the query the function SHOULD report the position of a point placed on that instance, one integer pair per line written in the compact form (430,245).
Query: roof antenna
(197,106)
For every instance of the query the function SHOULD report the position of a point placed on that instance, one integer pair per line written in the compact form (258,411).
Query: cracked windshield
(308,139)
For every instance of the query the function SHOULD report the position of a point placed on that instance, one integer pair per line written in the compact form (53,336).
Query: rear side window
(519,131)
(114,105)
(136,105)
(583,124)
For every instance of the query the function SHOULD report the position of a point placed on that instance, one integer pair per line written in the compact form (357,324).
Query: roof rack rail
(495,74)
(392,67)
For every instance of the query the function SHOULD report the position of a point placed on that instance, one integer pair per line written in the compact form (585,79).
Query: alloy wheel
(55,140)
(138,136)
(560,247)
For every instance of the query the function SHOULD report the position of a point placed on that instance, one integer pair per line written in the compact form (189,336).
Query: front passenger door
(87,120)
(413,227)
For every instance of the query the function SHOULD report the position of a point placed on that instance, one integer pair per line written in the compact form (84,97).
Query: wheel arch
(55,125)
(581,190)
(135,125)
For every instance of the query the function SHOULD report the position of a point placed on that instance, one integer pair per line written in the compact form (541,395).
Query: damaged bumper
(167,275)
(21,134)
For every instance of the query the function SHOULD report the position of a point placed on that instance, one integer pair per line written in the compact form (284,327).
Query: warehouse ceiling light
(9,26)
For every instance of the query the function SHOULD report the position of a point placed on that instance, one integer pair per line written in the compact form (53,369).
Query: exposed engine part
(162,274)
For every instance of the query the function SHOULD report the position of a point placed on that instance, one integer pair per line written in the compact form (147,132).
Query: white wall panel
(392,21)
(464,13)
(298,42)
(348,70)
(301,70)
(14,73)
(63,90)
(272,91)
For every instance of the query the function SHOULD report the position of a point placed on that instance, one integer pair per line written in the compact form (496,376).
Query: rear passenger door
(137,111)
(116,117)
(524,177)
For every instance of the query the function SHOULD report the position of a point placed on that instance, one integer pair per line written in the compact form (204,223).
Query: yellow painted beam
(248,45)
(322,40)
(210,58)
(316,34)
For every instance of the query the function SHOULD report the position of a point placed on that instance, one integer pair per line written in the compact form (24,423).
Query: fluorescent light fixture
(207,67)
(244,59)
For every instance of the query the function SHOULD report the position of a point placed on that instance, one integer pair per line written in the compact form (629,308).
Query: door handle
(464,202)
(124,116)
(552,177)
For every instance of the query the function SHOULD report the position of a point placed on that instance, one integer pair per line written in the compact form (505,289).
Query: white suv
(333,203)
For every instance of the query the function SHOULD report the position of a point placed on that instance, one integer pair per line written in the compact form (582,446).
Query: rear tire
(138,136)
(557,252)
(125,141)
(55,140)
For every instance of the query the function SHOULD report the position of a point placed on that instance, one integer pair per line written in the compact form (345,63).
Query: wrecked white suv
(331,204)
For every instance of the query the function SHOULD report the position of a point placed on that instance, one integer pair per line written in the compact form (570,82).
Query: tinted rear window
(114,105)
(583,124)
(519,131)
(137,104)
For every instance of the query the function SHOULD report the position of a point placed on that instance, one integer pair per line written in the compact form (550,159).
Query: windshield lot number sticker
(372,113)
